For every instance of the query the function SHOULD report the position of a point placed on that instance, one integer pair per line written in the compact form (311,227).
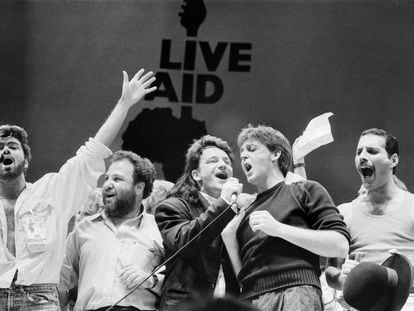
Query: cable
(174,255)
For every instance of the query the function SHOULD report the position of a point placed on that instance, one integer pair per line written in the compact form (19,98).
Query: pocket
(40,225)
(45,301)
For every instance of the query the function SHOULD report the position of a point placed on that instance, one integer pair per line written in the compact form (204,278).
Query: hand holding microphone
(230,191)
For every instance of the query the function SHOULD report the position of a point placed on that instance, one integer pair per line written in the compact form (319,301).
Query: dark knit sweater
(271,263)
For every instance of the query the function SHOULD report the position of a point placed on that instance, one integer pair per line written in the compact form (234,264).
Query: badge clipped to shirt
(36,235)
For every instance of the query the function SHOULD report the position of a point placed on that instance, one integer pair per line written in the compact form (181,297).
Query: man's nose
(223,163)
(107,185)
(242,155)
(364,154)
(362,158)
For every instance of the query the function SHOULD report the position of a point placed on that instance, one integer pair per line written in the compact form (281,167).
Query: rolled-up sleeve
(79,176)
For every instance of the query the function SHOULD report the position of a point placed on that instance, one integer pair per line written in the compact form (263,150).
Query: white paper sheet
(317,133)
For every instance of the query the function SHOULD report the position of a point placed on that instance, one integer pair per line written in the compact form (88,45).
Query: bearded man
(113,251)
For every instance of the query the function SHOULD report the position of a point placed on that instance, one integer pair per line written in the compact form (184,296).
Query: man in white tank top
(381,218)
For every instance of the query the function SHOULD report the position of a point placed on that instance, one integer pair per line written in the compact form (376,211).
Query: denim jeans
(295,298)
(36,297)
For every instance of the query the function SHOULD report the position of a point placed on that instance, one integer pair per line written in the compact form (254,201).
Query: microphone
(233,199)
(233,202)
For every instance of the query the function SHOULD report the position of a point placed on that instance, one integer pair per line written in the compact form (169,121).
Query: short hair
(144,170)
(186,187)
(7,131)
(391,143)
(273,139)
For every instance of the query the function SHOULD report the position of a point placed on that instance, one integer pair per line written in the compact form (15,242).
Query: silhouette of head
(193,14)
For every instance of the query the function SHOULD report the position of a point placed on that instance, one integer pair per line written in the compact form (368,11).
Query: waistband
(117,308)
(278,281)
(49,287)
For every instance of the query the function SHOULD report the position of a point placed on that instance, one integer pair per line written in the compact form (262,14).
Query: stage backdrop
(220,65)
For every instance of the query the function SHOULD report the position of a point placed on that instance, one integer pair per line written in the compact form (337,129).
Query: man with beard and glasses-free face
(34,217)
(201,194)
(382,217)
(285,230)
(111,252)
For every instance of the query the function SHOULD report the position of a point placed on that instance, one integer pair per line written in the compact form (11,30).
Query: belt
(117,308)
(30,288)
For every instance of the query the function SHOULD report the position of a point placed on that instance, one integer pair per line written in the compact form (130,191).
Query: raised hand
(135,89)
(193,14)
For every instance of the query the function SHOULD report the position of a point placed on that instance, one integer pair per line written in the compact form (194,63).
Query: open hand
(135,89)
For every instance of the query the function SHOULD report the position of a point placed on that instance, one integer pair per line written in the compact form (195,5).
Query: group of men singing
(264,247)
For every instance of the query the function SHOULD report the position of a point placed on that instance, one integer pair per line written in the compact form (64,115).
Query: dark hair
(273,139)
(144,170)
(391,143)
(186,187)
(7,131)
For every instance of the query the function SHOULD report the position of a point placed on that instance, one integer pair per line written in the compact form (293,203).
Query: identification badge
(36,235)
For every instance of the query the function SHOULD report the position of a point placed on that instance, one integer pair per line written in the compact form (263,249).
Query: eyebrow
(10,143)
(214,157)
(369,148)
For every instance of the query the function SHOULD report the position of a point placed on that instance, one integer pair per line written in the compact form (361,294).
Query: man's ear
(275,155)
(26,164)
(196,175)
(139,187)
(395,159)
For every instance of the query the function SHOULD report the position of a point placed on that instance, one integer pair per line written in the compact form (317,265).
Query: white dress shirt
(47,206)
(97,251)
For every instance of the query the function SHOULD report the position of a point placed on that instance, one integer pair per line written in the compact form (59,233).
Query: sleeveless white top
(374,235)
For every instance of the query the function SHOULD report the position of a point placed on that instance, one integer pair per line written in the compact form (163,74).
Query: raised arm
(298,163)
(132,92)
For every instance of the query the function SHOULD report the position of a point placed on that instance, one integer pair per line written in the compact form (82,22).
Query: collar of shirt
(102,216)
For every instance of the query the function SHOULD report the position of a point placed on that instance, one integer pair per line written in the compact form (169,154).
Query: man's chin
(110,210)
(114,210)
(10,175)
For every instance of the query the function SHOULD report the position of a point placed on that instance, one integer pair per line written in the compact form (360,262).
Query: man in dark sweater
(285,230)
